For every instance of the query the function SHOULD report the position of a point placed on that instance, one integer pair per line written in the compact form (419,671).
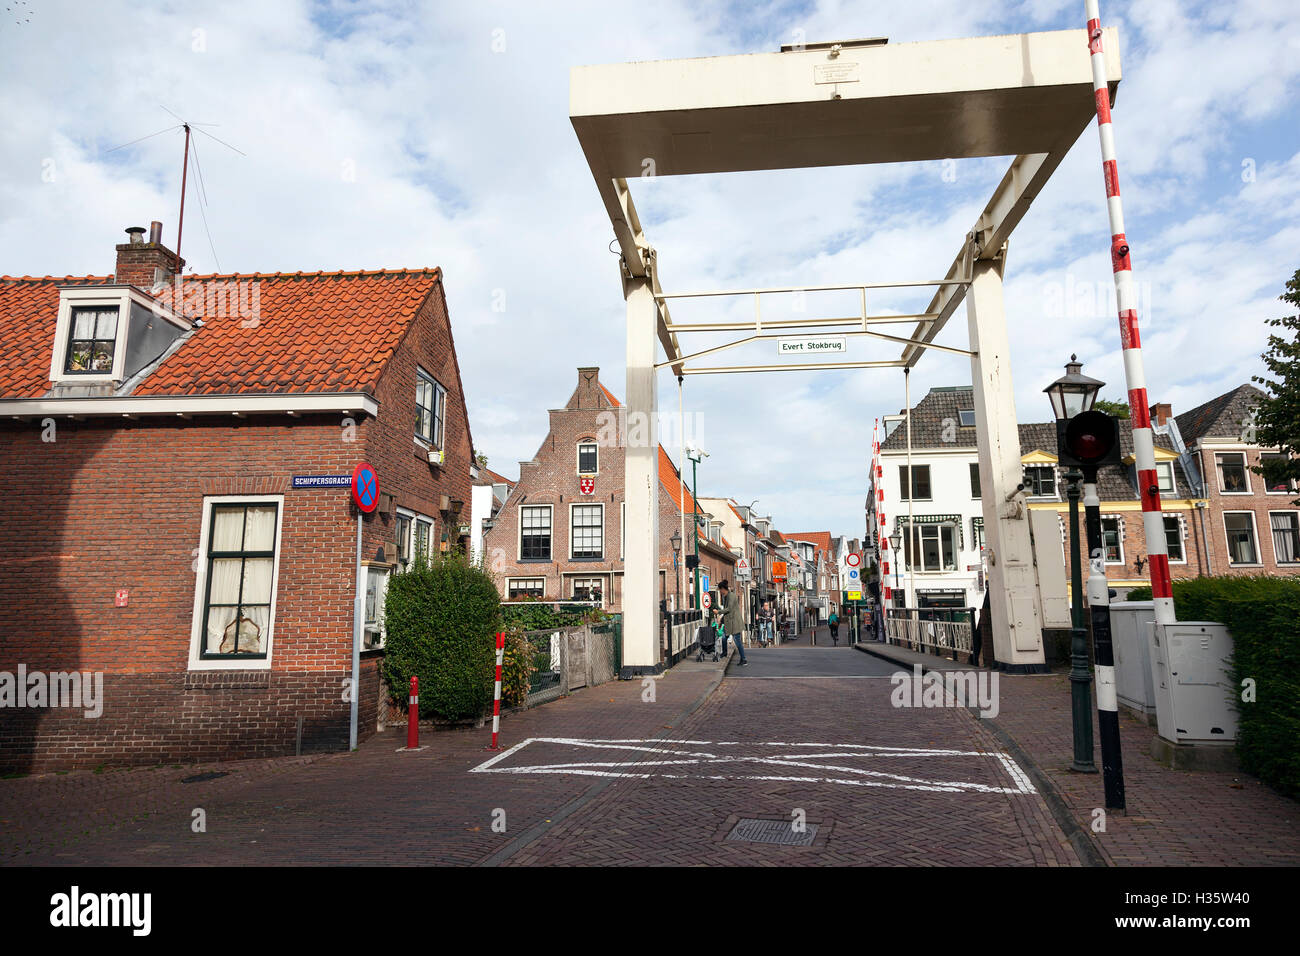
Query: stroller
(708,639)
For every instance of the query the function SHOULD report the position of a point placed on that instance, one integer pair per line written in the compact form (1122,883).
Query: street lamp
(895,544)
(676,542)
(696,455)
(1072,394)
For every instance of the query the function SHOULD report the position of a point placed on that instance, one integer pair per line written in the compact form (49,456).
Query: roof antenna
(188,127)
(185,168)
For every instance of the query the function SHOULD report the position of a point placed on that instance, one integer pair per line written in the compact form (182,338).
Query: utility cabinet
(1193,683)
(1134,685)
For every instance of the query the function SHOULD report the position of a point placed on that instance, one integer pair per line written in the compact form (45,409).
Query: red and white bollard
(496,698)
(413,716)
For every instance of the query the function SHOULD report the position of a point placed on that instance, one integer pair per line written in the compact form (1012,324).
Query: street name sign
(322,481)
(812,344)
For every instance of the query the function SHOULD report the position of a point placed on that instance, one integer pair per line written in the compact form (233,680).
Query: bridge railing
(677,634)
(941,631)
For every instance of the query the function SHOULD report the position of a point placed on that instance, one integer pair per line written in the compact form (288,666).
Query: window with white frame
(1112,538)
(589,589)
(92,340)
(1040,481)
(1233,477)
(235,596)
(1239,526)
(376,592)
(518,588)
(1165,477)
(402,533)
(1280,486)
(1285,526)
(423,537)
(430,408)
(588,458)
(535,533)
(934,544)
(1174,537)
(966,417)
(587,531)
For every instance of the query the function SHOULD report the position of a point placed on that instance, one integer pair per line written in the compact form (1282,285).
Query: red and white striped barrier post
(413,716)
(1126,300)
(496,702)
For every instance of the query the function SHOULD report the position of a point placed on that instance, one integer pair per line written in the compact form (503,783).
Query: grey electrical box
(1193,683)
(1134,685)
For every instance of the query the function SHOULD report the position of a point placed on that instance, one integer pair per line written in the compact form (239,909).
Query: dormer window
(966,417)
(93,340)
(108,333)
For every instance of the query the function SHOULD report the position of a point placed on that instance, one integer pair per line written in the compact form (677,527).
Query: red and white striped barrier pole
(413,715)
(1153,522)
(496,699)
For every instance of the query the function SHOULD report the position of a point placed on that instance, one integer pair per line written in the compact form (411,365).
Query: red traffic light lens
(1090,437)
(1088,445)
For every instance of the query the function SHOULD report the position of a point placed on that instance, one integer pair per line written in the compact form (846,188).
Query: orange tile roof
(500,479)
(820,539)
(315,332)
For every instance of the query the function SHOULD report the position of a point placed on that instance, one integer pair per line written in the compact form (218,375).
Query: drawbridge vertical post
(1017,632)
(641,482)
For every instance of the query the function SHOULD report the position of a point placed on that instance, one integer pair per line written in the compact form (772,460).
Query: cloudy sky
(400,134)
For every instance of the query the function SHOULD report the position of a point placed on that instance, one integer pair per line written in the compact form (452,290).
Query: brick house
(1252,527)
(154,534)
(559,534)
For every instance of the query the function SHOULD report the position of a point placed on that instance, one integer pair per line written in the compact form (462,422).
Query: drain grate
(776,832)
(201,777)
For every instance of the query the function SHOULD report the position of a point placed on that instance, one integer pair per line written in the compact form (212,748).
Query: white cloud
(392,134)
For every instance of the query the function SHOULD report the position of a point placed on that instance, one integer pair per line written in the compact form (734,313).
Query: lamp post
(895,544)
(696,455)
(1072,394)
(676,542)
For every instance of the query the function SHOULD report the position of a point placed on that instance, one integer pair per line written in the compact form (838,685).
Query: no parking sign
(365,487)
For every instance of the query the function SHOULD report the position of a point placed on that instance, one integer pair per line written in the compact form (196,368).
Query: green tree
(1277,420)
(1118,409)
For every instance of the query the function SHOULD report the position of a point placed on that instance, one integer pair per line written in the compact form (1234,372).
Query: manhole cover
(210,775)
(778,832)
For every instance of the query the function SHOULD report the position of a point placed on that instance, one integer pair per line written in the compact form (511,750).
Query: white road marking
(798,757)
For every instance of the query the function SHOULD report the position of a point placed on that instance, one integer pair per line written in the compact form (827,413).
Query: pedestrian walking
(834,622)
(733,622)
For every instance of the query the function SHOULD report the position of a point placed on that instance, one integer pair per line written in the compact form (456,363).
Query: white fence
(908,627)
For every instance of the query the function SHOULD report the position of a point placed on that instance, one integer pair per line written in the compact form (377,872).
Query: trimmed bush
(441,619)
(1263,617)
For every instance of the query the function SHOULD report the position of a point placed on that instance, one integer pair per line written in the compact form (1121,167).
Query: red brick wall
(1257,501)
(111,505)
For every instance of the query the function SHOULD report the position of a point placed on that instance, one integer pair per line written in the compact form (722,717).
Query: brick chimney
(144,264)
(1161,413)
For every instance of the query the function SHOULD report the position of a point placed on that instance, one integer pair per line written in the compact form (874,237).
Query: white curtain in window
(1284,536)
(259,534)
(227,529)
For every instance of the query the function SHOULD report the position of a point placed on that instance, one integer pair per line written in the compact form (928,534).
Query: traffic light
(1088,440)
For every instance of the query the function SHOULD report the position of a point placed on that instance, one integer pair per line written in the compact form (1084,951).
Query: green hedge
(540,615)
(441,620)
(1263,617)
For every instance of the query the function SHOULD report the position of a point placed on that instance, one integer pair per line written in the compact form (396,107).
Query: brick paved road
(944,797)
(604,777)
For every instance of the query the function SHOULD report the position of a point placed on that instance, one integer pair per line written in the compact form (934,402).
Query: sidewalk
(373,806)
(1175,817)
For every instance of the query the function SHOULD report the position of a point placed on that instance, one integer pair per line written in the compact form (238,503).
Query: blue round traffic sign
(365,487)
